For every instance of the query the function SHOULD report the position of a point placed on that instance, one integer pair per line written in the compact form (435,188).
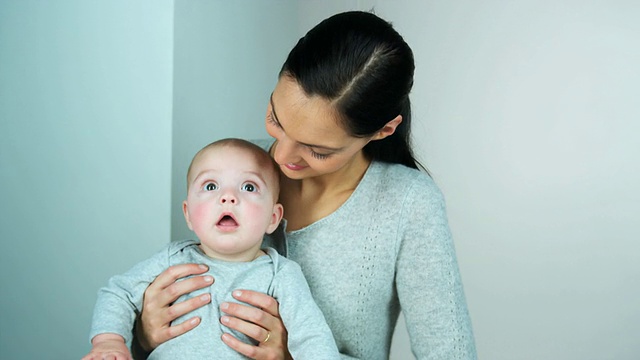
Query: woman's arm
(428,279)
(309,335)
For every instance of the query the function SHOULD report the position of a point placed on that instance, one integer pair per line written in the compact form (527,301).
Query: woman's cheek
(271,131)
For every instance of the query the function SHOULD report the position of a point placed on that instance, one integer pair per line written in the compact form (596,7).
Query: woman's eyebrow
(275,117)
(273,110)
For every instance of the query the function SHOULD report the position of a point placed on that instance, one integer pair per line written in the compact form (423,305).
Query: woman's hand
(154,324)
(261,323)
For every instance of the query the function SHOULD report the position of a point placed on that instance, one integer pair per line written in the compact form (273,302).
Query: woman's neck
(309,200)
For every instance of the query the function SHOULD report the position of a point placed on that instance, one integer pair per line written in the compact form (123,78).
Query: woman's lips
(294,167)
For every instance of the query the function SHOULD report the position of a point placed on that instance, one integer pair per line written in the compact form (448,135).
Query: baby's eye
(248,187)
(210,186)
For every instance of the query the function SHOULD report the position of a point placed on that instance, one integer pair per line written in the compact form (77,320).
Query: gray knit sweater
(387,249)
(309,337)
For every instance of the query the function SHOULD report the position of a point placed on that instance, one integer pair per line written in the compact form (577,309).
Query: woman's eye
(319,156)
(271,120)
(210,186)
(248,187)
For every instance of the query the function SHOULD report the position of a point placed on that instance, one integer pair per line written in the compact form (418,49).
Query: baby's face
(230,204)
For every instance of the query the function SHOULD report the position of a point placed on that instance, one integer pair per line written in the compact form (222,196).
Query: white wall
(526,114)
(85,160)
(227,58)
(523,113)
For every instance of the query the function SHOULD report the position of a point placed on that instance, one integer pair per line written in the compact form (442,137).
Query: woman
(368,228)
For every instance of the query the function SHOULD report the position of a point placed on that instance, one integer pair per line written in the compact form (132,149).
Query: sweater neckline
(268,256)
(345,205)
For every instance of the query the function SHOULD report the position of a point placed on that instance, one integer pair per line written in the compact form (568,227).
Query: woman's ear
(388,128)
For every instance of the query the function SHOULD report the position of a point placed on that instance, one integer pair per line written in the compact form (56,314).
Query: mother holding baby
(364,220)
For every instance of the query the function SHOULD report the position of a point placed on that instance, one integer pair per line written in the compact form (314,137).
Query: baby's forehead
(256,161)
(222,153)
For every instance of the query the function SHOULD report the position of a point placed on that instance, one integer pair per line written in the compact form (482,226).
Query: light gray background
(525,112)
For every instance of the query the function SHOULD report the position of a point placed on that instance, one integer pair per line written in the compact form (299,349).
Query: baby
(232,193)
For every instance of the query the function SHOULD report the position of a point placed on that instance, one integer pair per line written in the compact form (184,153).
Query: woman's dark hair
(360,63)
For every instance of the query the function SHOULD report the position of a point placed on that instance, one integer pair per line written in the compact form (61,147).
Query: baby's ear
(276,217)
(185,211)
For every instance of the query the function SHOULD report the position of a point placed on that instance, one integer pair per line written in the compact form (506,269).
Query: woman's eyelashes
(318,155)
(272,121)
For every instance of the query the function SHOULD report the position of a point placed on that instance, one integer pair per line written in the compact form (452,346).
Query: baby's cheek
(260,215)
(198,215)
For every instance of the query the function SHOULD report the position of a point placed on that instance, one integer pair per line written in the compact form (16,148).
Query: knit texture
(387,249)
(309,336)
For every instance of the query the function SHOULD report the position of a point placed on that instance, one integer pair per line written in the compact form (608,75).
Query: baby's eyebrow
(258,175)
(199,175)
(210,174)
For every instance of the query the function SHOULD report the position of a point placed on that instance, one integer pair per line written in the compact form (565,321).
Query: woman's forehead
(308,119)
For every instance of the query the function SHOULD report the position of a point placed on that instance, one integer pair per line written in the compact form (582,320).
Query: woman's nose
(286,152)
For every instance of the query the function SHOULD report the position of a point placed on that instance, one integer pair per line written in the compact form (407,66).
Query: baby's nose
(228,198)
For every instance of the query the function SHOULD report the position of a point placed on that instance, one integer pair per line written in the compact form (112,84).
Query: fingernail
(208,279)
(203,267)
(205,297)
(224,306)
(194,321)
(237,293)
(224,319)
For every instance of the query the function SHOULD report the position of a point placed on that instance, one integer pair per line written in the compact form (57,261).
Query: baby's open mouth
(227,220)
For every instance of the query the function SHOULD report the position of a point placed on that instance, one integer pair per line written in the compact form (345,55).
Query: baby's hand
(108,346)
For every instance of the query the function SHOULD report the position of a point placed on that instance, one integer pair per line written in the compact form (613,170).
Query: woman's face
(309,139)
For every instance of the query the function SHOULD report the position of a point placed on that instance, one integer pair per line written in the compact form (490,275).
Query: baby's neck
(245,256)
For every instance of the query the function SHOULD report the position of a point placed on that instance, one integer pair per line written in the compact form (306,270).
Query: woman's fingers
(261,322)
(183,327)
(263,313)
(154,326)
(247,350)
(259,300)
(253,352)
(165,289)
(184,307)
(156,335)
(258,333)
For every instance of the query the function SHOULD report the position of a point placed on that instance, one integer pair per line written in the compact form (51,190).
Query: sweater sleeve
(309,336)
(120,301)
(428,279)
